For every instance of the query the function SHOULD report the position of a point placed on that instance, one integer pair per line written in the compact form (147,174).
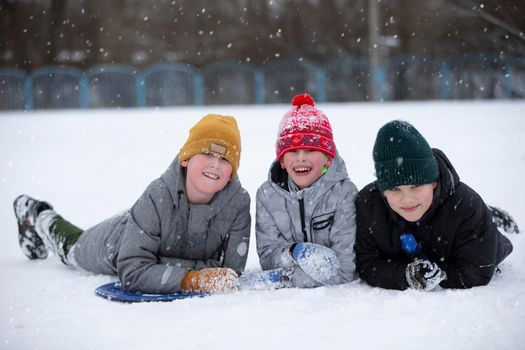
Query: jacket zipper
(303,225)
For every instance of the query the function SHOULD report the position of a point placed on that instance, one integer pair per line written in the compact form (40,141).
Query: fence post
(140,87)
(28,92)
(84,91)
(378,75)
(507,74)
(198,88)
(445,84)
(259,87)
(320,77)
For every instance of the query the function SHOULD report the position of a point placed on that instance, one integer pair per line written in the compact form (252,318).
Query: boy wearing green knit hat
(418,225)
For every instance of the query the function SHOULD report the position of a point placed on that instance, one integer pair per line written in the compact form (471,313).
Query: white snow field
(91,164)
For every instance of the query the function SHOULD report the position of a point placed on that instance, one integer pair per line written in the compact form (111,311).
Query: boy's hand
(210,280)
(424,275)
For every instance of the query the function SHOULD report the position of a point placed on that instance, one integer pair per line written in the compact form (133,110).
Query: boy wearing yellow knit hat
(189,231)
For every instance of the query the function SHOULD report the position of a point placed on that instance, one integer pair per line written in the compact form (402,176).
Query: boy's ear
(184,163)
(328,162)
(282,164)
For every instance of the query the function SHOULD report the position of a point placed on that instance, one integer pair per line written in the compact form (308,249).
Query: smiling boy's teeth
(211,176)
(302,169)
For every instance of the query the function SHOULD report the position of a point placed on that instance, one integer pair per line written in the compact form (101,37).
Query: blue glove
(319,262)
(410,246)
(424,275)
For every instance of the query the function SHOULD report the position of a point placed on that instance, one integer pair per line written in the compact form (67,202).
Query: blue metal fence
(169,85)
(230,83)
(348,80)
(403,78)
(53,87)
(13,89)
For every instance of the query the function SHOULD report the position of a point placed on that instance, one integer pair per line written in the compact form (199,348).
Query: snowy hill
(91,164)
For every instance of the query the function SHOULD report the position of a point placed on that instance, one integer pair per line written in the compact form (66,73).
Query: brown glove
(210,280)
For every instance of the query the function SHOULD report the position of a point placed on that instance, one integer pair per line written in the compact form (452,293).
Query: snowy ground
(92,164)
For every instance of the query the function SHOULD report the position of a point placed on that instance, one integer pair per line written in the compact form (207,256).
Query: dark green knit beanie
(403,157)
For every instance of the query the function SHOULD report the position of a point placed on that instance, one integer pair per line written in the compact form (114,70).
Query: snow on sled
(113,291)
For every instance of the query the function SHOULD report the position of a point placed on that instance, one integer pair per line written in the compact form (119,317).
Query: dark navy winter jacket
(456,232)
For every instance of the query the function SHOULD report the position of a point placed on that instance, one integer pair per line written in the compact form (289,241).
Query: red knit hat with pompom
(305,127)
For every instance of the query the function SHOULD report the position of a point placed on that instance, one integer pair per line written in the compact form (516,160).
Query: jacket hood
(278,177)
(448,177)
(174,178)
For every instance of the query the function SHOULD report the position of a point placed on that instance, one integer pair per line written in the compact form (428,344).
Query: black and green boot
(26,211)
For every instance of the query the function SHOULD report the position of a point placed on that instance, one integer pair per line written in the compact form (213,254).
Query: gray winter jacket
(153,245)
(329,220)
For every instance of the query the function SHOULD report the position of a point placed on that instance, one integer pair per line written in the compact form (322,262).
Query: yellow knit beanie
(215,134)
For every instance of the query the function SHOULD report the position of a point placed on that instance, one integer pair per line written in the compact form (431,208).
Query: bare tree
(84,33)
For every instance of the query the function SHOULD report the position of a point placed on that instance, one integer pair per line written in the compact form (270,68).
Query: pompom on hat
(305,127)
(402,156)
(214,134)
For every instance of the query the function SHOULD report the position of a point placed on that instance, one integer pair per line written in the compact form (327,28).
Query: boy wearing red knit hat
(305,220)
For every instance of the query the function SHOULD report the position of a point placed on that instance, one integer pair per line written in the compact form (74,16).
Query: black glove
(424,275)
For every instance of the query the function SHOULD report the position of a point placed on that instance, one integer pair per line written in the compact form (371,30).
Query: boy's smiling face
(206,175)
(305,166)
(411,202)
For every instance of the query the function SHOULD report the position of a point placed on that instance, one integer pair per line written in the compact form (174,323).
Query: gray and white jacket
(152,245)
(329,220)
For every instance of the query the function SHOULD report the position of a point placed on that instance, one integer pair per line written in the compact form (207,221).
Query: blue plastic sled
(114,292)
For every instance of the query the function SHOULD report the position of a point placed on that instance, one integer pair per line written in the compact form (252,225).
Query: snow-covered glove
(265,280)
(504,222)
(424,275)
(210,280)
(319,262)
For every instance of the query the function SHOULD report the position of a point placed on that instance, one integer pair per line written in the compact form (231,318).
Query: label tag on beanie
(218,149)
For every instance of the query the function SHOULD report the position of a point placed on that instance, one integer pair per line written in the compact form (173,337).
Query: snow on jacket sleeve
(475,246)
(374,265)
(272,247)
(343,233)
(137,263)
(238,242)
